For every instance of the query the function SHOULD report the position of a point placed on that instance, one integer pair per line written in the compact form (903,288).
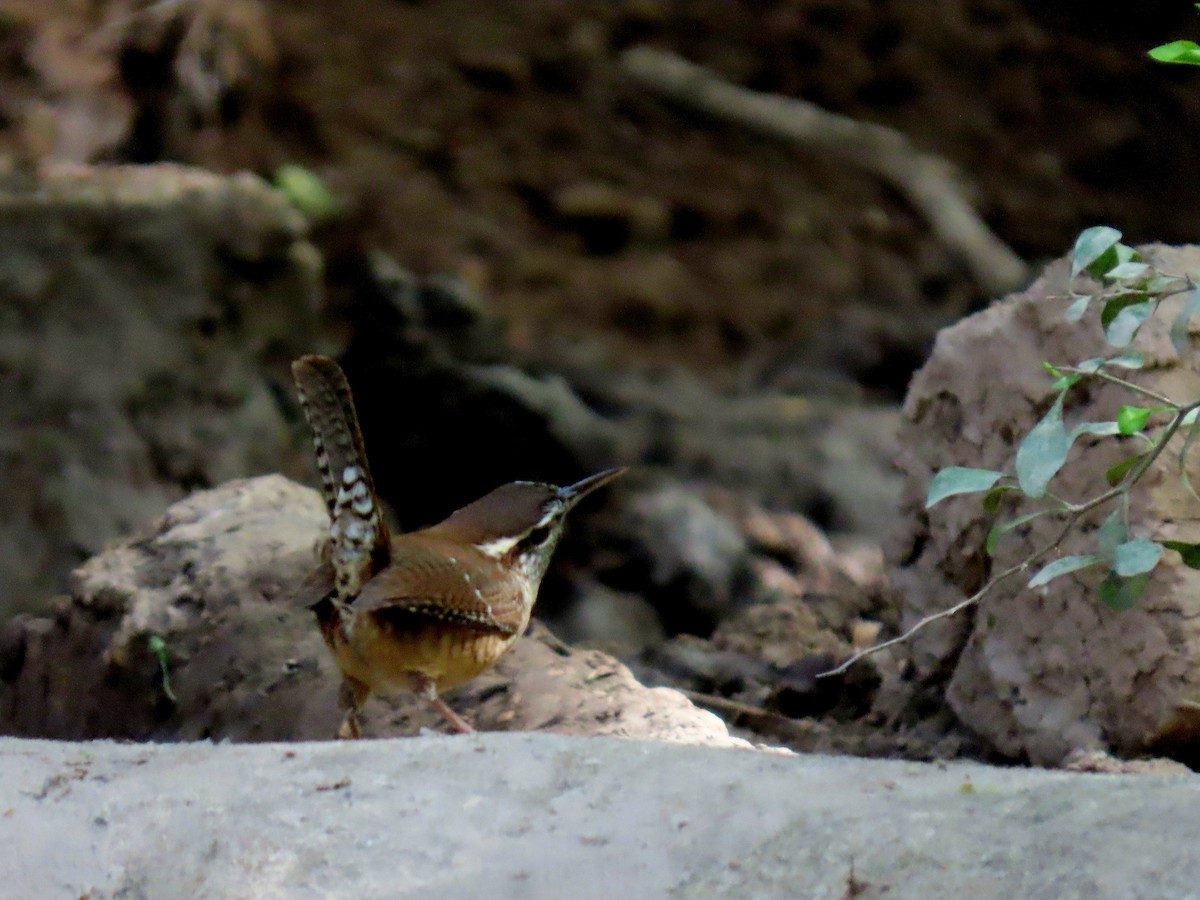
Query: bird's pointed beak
(573,493)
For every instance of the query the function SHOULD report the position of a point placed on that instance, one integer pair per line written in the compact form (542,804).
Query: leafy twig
(1135,291)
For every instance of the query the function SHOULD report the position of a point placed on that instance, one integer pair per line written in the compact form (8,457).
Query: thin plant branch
(728,706)
(1118,380)
(954,610)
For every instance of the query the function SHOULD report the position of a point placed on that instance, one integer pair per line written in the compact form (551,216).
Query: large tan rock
(217,580)
(1039,673)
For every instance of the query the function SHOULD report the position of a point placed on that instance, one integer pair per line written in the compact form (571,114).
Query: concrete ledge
(536,815)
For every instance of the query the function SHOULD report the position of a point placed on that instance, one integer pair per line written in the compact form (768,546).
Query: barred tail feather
(329,408)
(358,535)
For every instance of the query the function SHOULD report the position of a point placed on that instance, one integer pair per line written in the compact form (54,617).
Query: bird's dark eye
(538,536)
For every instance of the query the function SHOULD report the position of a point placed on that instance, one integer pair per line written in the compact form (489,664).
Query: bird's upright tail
(358,538)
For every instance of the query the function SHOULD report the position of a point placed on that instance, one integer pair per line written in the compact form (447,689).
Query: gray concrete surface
(533,815)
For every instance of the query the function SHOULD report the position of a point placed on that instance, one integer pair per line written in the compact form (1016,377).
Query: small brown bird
(426,611)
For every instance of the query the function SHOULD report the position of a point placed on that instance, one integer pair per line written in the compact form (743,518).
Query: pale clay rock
(217,578)
(1041,673)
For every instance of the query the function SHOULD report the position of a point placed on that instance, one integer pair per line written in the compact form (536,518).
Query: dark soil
(496,141)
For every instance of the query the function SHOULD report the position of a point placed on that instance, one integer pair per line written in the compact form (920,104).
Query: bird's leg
(349,729)
(426,687)
(352,694)
(461,725)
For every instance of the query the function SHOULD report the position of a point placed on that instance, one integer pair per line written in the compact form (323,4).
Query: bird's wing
(454,589)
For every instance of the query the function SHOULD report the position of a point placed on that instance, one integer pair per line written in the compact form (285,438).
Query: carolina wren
(426,611)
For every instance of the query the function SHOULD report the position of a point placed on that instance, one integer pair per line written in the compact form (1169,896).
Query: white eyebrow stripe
(498,547)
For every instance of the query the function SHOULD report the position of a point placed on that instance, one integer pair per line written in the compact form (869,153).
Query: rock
(696,562)
(540,816)
(854,467)
(193,70)
(214,579)
(649,295)
(544,685)
(426,351)
(620,622)
(148,318)
(607,217)
(783,633)
(794,559)
(1041,673)
(503,71)
(218,581)
(1105,764)
(67,102)
(830,460)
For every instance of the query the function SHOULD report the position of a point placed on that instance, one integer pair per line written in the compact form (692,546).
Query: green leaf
(1043,452)
(1076,310)
(1091,245)
(1110,259)
(1121,594)
(1062,381)
(991,502)
(1126,254)
(1131,360)
(1064,566)
(1066,383)
(1165,285)
(1183,52)
(1136,557)
(1118,302)
(159,648)
(1127,321)
(306,191)
(1098,429)
(959,480)
(1127,271)
(1117,473)
(1112,534)
(1002,528)
(1180,328)
(1132,419)
(1189,551)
